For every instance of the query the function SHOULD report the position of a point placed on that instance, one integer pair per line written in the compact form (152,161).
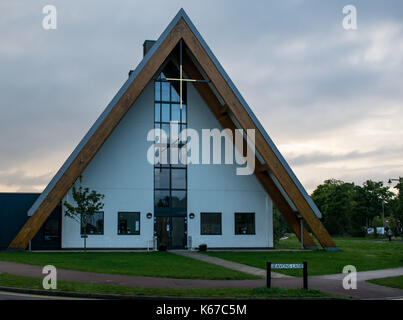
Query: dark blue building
(13,215)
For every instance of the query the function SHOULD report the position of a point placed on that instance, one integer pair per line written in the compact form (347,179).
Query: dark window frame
(136,233)
(93,234)
(254,223)
(159,122)
(201,224)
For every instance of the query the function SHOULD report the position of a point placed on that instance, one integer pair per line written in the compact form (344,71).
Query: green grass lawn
(7,280)
(362,253)
(394,282)
(153,264)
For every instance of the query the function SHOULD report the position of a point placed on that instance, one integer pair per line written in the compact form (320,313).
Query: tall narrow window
(170,176)
(244,223)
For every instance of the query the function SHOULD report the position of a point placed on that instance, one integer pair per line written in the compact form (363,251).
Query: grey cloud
(321,157)
(23,180)
(288,58)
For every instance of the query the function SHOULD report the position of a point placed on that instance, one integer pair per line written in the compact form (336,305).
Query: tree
(393,225)
(369,200)
(87,203)
(280,226)
(399,207)
(348,208)
(335,199)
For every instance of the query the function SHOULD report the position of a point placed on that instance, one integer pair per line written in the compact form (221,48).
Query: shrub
(358,232)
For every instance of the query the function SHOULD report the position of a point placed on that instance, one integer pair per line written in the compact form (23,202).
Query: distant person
(390,235)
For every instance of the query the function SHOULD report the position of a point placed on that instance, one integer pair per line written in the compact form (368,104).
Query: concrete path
(28,270)
(365,290)
(331,284)
(367,275)
(326,283)
(229,264)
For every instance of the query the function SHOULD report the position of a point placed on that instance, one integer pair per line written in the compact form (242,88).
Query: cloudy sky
(331,99)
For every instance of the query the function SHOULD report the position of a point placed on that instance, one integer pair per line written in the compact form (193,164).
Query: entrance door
(162,231)
(171,232)
(178,233)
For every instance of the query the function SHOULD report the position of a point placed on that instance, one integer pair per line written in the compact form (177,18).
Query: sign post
(268,275)
(305,276)
(270,266)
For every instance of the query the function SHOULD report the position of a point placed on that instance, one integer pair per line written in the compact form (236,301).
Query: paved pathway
(326,283)
(330,283)
(229,264)
(367,275)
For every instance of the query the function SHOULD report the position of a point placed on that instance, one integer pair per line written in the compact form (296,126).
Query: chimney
(147,46)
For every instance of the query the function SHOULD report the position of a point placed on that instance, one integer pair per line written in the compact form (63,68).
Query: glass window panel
(165,86)
(178,179)
(184,107)
(94,225)
(129,223)
(161,198)
(245,223)
(157,91)
(165,156)
(162,155)
(166,127)
(174,131)
(178,156)
(183,133)
(176,112)
(175,93)
(161,178)
(183,156)
(157,112)
(210,223)
(157,132)
(165,113)
(174,156)
(51,229)
(179,199)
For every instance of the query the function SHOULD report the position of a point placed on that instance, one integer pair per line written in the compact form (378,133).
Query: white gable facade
(120,170)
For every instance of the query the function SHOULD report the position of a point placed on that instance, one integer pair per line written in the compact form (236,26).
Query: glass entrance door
(171,232)
(178,233)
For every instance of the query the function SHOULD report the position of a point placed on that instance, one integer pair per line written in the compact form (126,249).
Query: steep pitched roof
(180,27)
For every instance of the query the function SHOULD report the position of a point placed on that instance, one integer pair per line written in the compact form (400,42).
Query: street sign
(271,266)
(287,265)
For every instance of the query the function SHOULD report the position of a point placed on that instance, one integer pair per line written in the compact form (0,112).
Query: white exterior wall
(217,188)
(121,172)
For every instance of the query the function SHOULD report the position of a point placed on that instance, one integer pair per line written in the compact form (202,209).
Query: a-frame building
(179,206)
